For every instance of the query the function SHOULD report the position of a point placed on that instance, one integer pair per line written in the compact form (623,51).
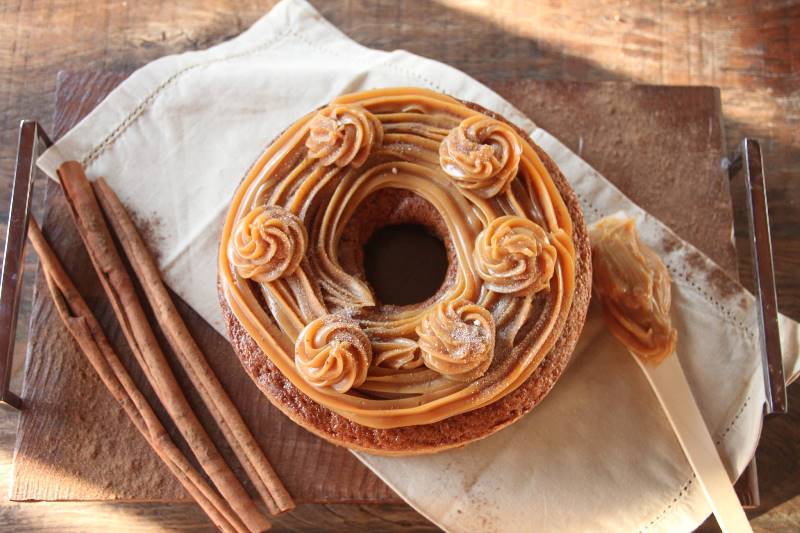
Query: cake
(404,379)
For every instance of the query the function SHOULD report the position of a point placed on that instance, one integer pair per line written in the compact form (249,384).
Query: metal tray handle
(748,160)
(32,140)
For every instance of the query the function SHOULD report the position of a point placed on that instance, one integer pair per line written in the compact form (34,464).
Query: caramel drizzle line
(434,400)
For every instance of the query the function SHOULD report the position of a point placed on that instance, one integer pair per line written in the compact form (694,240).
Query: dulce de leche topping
(381,366)
(333,351)
(269,242)
(634,288)
(481,155)
(457,339)
(343,135)
(514,256)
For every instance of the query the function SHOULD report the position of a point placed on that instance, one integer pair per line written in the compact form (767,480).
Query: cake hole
(405,264)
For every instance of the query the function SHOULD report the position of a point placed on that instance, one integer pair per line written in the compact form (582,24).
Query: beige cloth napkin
(598,454)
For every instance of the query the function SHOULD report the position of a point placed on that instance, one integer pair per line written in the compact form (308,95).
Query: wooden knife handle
(673,391)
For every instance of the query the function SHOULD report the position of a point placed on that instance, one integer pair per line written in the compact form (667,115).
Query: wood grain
(152,517)
(749,50)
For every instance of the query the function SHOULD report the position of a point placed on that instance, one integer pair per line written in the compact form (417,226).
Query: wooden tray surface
(661,145)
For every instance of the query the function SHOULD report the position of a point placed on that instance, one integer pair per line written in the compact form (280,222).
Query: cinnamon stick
(86,330)
(192,359)
(120,290)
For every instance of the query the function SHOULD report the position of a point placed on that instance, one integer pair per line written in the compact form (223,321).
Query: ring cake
(469,360)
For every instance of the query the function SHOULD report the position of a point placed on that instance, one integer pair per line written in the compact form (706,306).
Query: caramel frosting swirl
(634,288)
(343,135)
(333,352)
(514,256)
(481,155)
(399,354)
(268,243)
(457,339)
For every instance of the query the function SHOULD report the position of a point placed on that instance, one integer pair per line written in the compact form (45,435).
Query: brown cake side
(451,432)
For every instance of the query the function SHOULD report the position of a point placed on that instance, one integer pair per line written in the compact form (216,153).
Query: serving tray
(663,146)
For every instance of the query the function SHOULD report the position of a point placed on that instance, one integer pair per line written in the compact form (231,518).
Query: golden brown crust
(454,431)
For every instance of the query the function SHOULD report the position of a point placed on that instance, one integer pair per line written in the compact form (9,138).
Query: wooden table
(544,43)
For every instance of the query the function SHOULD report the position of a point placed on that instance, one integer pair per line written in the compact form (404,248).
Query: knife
(634,288)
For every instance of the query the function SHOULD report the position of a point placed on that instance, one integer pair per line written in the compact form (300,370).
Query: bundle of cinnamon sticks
(225,500)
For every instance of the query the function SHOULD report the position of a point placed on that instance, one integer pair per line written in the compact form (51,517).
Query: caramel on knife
(634,288)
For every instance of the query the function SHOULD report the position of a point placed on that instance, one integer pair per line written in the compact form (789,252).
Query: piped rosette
(268,243)
(457,340)
(333,352)
(481,155)
(343,135)
(513,255)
